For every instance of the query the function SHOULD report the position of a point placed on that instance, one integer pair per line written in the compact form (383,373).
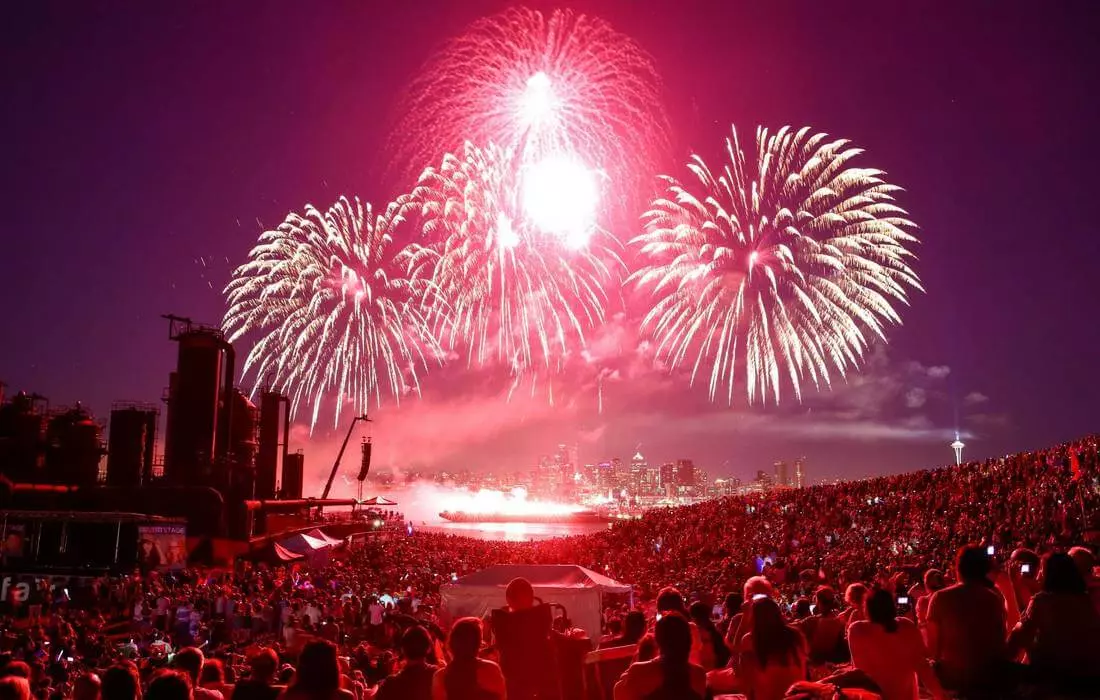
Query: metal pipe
(225,416)
(276,505)
(286,437)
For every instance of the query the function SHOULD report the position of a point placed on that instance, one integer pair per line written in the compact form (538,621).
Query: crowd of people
(979,580)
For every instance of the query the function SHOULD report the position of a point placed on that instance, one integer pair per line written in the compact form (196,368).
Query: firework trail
(516,291)
(782,265)
(540,86)
(334,309)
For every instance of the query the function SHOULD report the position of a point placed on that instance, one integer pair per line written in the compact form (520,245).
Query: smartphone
(454,577)
(990,550)
(1025,568)
(659,617)
(717,611)
(903,600)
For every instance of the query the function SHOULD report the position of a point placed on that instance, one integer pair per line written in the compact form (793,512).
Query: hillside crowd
(972,581)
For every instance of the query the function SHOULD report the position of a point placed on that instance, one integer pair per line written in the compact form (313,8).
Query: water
(421,504)
(511,532)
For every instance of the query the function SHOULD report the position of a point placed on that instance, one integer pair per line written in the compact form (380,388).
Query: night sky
(147,144)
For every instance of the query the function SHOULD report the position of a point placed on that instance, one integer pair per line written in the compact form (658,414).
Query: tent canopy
(545,576)
(576,588)
(283,554)
(378,501)
(318,534)
(302,543)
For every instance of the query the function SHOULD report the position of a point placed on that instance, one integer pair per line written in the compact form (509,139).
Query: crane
(340,454)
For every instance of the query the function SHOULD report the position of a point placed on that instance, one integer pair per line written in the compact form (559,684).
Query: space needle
(958,446)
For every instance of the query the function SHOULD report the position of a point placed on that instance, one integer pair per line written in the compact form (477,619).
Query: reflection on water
(512,532)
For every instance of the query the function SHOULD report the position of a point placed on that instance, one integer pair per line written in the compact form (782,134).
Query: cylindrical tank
(193,408)
(74,447)
(267,460)
(293,476)
(242,433)
(130,445)
(22,429)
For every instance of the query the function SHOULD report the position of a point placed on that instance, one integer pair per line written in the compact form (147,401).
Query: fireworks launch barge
(580,517)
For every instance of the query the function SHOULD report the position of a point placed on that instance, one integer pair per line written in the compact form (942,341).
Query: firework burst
(782,265)
(335,308)
(515,292)
(540,86)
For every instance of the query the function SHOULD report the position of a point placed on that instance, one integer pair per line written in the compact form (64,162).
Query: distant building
(605,476)
(800,473)
(782,474)
(726,487)
(685,473)
(642,481)
(667,476)
(763,481)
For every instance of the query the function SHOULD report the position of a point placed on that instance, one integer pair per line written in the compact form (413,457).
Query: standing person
(467,677)
(260,684)
(375,617)
(966,626)
(774,656)
(670,676)
(890,650)
(414,681)
(1060,630)
(318,674)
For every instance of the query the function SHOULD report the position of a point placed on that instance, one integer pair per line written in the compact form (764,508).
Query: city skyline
(977,134)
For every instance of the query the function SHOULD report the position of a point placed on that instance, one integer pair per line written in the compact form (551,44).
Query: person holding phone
(965,628)
(1060,630)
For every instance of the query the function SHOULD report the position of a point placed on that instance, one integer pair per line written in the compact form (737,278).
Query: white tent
(576,588)
(314,549)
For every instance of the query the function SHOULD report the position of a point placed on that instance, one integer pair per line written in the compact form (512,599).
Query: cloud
(974,398)
(809,425)
(990,421)
(915,397)
(931,372)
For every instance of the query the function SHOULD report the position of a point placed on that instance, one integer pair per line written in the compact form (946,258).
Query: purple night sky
(146,145)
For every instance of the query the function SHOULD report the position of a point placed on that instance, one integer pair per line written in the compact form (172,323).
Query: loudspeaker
(364,466)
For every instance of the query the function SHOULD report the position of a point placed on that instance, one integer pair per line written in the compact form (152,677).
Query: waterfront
(512,532)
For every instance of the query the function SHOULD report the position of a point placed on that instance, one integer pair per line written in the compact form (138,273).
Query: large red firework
(541,86)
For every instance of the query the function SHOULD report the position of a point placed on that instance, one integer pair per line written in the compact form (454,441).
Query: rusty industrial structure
(226,465)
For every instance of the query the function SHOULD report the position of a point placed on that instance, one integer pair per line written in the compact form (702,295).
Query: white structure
(958,447)
(578,589)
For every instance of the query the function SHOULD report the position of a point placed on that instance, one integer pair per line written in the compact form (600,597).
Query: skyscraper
(800,473)
(782,475)
(639,482)
(685,473)
(668,476)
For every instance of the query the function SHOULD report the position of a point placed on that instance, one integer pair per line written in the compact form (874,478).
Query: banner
(162,547)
